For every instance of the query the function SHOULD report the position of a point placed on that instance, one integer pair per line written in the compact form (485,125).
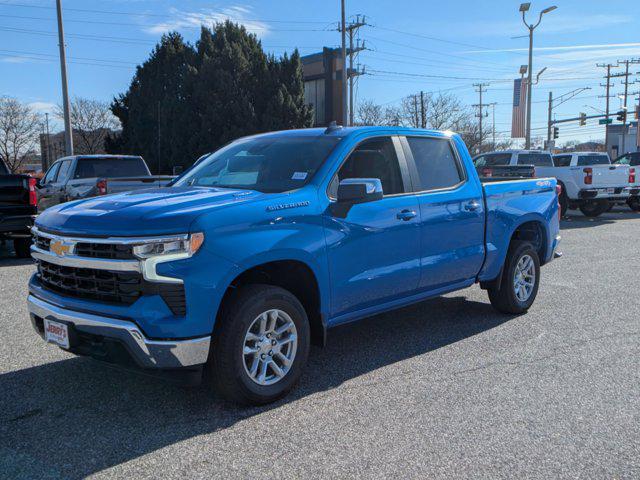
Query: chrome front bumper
(156,354)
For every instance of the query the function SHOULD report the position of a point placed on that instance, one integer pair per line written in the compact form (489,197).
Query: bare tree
(92,122)
(393,116)
(410,108)
(369,113)
(445,112)
(19,129)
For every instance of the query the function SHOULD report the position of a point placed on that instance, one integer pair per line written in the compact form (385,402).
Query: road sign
(605,121)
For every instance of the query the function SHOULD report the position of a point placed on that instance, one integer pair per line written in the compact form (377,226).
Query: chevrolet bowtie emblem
(61,248)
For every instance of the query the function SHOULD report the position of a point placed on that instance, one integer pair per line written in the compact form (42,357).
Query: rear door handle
(472,206)
(406,215)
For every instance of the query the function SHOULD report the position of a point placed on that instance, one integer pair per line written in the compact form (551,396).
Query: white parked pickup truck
(589,181)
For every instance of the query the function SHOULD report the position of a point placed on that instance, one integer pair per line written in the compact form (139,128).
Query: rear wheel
(520,280)
(634,204)
(594,208)
(22,246)
(261,345)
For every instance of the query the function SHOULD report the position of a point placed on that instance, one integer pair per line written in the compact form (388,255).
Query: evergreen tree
(224,88)
(153,114)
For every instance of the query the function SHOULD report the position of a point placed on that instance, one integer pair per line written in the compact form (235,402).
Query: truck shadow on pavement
(575,219)
(74,417)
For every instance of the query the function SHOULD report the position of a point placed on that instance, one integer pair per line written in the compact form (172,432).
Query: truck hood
(154,211)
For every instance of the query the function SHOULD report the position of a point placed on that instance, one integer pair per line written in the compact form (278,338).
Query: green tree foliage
(206,95)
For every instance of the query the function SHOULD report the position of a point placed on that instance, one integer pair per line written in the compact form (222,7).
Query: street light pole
(524,8)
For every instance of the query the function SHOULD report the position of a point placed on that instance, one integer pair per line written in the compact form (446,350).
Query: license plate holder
(56,332)
(611,190)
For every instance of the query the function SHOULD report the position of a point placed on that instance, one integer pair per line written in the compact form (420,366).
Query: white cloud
(189,20)
(563,47)
(43,107)
(14,59)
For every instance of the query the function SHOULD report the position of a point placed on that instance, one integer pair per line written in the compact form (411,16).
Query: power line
(372,70)
(157,15)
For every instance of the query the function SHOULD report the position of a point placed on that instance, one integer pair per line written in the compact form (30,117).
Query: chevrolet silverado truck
(84,176)
(235,269)
(18,208)
(588,180)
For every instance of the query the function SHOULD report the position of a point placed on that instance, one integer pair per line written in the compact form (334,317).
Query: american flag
(519,116)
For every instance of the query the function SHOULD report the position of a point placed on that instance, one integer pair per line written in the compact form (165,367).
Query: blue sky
(414,45)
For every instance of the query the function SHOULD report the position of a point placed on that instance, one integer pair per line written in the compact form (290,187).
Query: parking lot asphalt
(446,388)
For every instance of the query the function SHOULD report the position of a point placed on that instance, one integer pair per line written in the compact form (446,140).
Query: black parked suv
(18,208)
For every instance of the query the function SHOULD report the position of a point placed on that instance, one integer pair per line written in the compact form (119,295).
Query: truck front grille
(122,288)
(104,250)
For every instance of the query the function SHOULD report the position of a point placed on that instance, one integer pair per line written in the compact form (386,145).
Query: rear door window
(437,166)
(110,167)
(593,160)
(535,159)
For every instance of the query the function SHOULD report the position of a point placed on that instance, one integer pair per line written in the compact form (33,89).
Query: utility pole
(352,30)
(493,124)
(343,28)
(423,113)
(625,98)
(524,8)
(480,89)
(415,111)
(45,164)
(549,121)
(607,96)
(68,132)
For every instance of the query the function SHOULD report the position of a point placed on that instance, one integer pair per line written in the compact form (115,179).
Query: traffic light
(583,119)
(556,132)
(622,116)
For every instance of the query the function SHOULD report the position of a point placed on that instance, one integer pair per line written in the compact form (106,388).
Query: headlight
(183,246)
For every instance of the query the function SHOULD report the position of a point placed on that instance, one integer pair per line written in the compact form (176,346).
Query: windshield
(593,160)
(266,164)
(493,159)
(112,167)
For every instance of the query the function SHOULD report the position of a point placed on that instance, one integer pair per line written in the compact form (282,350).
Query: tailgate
(14,196)
(603,175)
(136,183)
(14,190)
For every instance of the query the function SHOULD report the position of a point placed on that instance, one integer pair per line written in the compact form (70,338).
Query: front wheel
(260,346)
(520,280)
(594,208)
(634,204)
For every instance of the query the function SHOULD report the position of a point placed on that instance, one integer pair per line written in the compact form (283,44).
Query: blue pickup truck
(255,252)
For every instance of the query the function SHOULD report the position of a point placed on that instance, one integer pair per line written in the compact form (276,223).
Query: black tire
(226,363)
(594,208)
(564,204)
(22,247)
(634,204)
(504,299)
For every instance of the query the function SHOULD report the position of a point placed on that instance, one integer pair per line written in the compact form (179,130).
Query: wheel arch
(295,275)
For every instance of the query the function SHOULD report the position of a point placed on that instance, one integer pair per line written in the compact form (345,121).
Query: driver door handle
(472,206)
(406,215)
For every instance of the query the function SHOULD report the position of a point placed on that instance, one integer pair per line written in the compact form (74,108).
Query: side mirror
(359,190)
